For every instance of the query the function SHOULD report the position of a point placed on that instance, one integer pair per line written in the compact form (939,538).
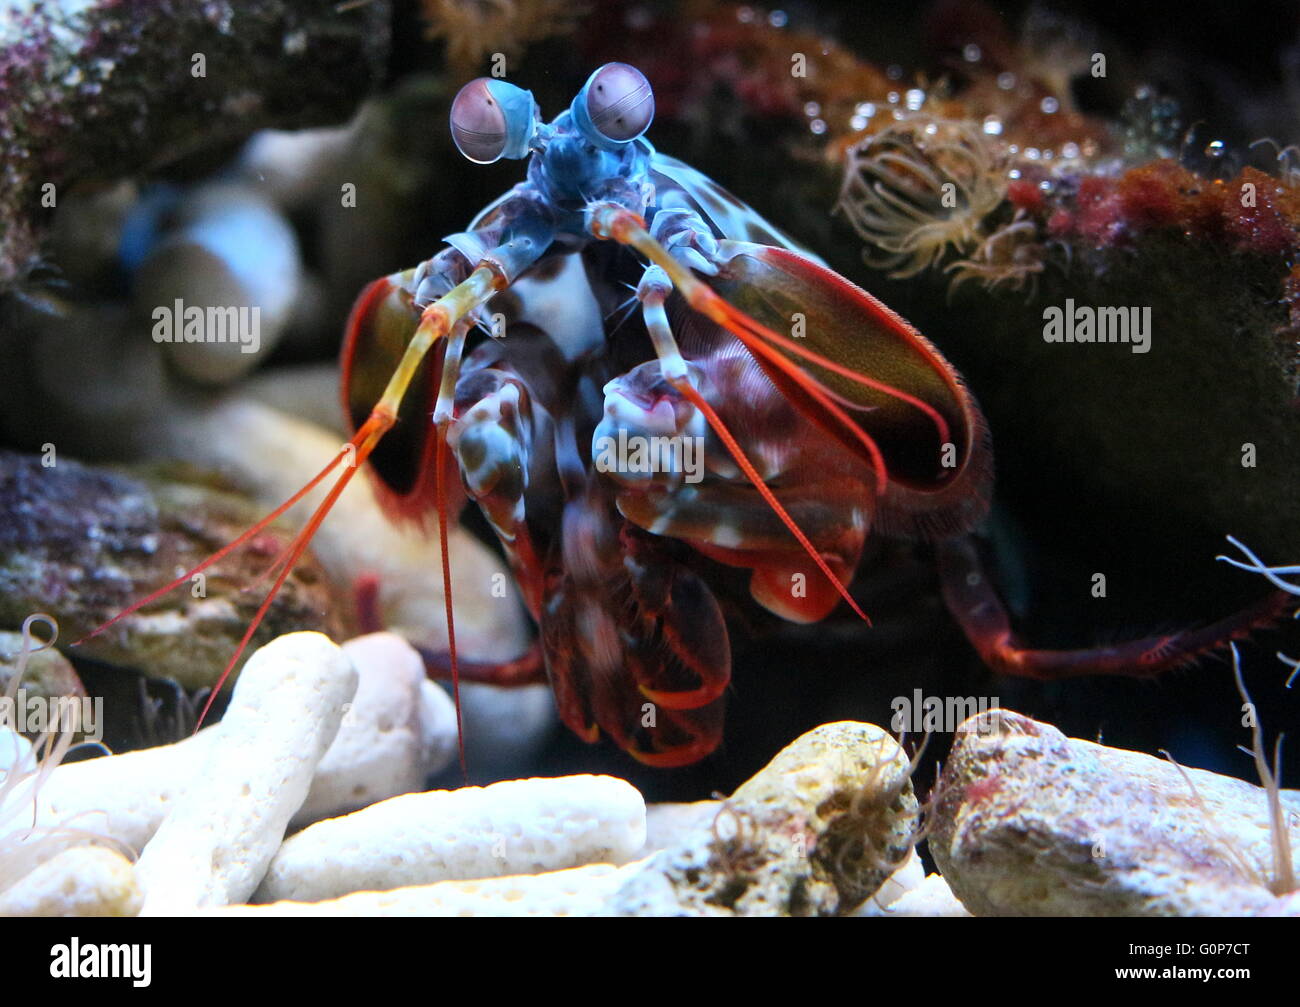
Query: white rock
(1284,905)
(380,751)
(215,844)
(932,897)
(907,878)
(579,891)
(437,726)
(669,824)
(516,827)
(308,392)
(124,796)
(81,881)
(399,728)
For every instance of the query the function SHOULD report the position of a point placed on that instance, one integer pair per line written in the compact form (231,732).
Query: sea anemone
(26,843)
(864,843)
(1009,257)
(918,187)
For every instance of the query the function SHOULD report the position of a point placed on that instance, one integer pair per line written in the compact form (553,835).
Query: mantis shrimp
(752,409)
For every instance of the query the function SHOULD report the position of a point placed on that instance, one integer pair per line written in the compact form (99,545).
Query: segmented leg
(527,669)
(983,618)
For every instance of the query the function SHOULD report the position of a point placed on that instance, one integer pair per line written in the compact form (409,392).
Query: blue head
(593,140)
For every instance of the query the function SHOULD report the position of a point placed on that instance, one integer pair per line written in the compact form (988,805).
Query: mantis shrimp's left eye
(492,119)
(616,105)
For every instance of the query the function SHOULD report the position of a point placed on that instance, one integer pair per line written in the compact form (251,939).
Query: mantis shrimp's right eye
(619,102)
(491,119)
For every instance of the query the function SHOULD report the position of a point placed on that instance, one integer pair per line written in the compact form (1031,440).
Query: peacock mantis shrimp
(752,409)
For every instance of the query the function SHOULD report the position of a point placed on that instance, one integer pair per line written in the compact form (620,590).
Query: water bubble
(992,125)
(1070,150)
(778,19)
(1014,173)
(745,15)
(812,109)
(1006,80)
(971,53)
(817,126)
(894,71)
(1215,148)
(915,99)
(866,109)
(892,97)
(1031,153)
(1049,105)
(858,123)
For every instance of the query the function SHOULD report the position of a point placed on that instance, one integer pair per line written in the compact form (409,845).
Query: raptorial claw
(636,646)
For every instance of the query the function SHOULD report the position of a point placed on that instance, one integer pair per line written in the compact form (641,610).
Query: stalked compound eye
(615,106)
(492,119)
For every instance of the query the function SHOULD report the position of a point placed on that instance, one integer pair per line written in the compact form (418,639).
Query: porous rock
(398,729)
(515,827)
(221,833)
(578,891)
(81,881)
(814,833)
(392,733)
(1032,823)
